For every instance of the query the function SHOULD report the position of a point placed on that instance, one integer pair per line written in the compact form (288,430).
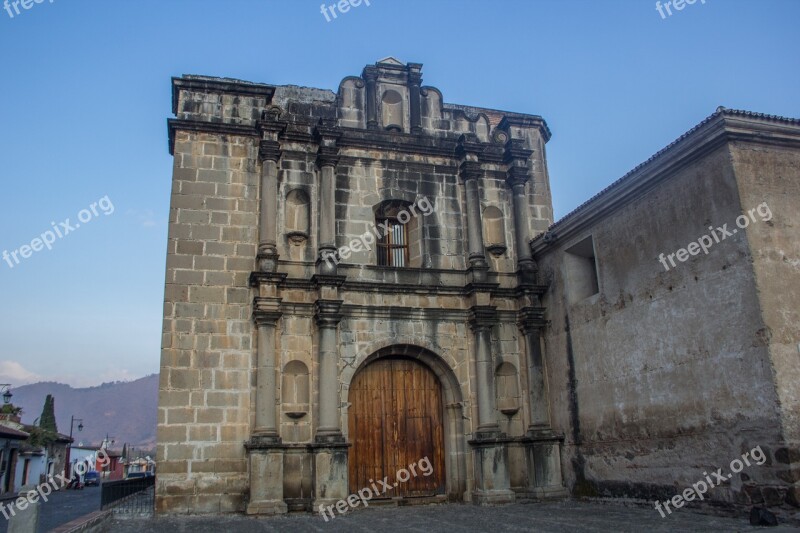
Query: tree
(125,451)
(48,419)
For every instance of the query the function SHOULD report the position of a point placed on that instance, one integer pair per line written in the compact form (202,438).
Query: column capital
(470,170)
(531,319)
(516,157)
(515,151)
(327,158)
(482,317)
(517,177)
(269,150)
(326,313)
(370,73)
(327,134)
(266,311)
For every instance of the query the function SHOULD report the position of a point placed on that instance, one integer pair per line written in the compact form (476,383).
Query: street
(61,507)
(552,517)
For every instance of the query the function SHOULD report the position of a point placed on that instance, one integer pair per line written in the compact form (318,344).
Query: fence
(129,496)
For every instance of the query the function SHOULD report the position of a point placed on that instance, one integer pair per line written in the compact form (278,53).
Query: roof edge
(716,129)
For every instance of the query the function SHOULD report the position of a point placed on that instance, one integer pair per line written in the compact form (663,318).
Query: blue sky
(86,94)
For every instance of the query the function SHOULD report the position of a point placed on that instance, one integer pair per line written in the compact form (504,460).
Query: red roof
(11,433)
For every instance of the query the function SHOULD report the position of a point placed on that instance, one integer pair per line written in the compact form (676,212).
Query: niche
(295,389)
(392,111)
(298,216)
(507,389)
(494,231)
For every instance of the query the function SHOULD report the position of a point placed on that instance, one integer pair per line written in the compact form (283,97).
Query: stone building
(357,281)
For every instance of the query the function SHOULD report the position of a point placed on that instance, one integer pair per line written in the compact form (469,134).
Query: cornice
(219,85)
(525,121)
(397,142)
(198,126)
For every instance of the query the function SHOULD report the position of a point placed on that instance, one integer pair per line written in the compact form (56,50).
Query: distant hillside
(125,410)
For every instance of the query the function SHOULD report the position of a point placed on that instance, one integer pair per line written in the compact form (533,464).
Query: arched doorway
(395,420)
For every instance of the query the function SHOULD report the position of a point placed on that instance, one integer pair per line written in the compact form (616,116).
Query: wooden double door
(395,420)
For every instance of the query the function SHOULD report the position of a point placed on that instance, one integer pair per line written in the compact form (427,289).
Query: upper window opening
(580,271)
(391,219)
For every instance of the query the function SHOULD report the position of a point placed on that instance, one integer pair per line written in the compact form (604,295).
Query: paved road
(63,506)
(455,518)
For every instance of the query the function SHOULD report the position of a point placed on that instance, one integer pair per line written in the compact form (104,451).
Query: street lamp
(69,446)
(7,394)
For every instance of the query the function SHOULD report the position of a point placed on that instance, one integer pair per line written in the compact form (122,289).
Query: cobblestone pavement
(452,518)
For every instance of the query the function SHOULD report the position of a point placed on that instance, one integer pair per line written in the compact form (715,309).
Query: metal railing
(134,496)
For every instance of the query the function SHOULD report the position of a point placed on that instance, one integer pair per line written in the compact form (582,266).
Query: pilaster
(269,154)
(327,135)
(518,175)
(470,171)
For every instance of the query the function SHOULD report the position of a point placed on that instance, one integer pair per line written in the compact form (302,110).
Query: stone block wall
(207,348)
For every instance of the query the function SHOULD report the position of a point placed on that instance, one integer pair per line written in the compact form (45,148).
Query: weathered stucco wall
(771,176)
(662,375)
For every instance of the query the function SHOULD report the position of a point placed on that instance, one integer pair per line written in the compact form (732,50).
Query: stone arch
(452,396)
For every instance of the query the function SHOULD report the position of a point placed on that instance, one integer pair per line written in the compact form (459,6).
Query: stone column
(530,324)
(490,447)
(470,171)
(328,317)
(414,83)
(482,318)
(266,316)
(370,76)
(269,153)
(265,448)
(327,159)
(543,446)
(516,157)
(330,448)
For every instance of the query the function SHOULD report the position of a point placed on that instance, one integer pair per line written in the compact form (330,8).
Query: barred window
(393,244)
(393,248)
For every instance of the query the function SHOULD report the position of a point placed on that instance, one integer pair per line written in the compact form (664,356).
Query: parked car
(91,478)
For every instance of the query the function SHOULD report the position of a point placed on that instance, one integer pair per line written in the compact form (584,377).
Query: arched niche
(295,389)
(507,389)
(297,216)
(494,230)
(392,110)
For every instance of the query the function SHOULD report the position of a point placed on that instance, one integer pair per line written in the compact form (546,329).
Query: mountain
(125,410)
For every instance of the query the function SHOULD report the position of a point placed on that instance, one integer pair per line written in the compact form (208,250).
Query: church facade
(370,280)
